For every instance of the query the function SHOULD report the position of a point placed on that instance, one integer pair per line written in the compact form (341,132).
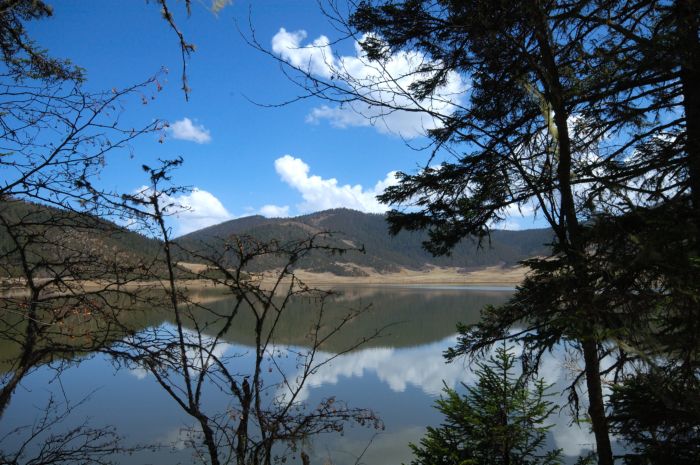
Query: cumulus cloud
(382,86)
(322,194)
(274,211)
(185,129)
(316,57)
(190,211)
(199,210)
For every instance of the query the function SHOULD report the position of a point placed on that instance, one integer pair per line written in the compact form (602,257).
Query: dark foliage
(498,421)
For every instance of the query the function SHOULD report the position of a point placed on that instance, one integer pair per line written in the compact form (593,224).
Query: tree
(64,274)
(499,420)
(22,57)
(515,130)
(56,137)
(265,422)
(648,258)
(573,107)
(657,413)
(61,270)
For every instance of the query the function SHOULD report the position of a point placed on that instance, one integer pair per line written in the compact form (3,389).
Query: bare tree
(67,284)
(39,443)
(266,420)
(61,267)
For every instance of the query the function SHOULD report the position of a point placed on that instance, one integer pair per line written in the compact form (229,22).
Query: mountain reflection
(399,374)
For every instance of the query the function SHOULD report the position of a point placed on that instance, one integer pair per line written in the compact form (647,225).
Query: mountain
(383,252)
(84,240)
(55,241)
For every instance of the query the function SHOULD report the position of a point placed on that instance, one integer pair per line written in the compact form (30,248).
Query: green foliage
(658,414)
(649,260)
(590,110)
(21,56)
(500,420)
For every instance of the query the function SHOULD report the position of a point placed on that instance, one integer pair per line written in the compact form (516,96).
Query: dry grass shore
(494,275)
(488,276)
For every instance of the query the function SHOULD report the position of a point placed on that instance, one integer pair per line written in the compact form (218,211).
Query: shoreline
(494,276)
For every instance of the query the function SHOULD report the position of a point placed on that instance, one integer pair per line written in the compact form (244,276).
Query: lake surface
(398,374)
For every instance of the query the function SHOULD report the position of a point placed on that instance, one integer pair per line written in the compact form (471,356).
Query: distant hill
(51,238)
(72,235)
(383,252)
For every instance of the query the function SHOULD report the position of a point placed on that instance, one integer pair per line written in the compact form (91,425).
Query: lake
(397,373)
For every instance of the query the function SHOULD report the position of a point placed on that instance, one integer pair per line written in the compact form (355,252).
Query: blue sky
(240,158)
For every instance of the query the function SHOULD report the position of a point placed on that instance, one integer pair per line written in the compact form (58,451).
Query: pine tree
(501,420)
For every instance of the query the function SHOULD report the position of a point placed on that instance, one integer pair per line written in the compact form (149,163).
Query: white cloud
(274,211)
(383,83)
(518,217)
(199,210)
(339,117)
(138,373)
(424,367)
(190,211)
(185,129)
(322,194)
(316,57)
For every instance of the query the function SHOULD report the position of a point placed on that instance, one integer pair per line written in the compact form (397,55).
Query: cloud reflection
(423,367)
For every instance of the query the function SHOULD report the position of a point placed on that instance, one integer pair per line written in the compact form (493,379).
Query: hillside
(81,238)
(55,241)
(383,252)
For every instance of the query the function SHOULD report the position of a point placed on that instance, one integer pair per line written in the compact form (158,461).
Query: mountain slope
(382,252)
(55,241)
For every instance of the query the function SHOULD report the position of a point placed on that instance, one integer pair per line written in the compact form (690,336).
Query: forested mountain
(382,252)
(45,237)
(66,234)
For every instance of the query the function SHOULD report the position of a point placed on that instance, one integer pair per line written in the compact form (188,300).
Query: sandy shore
(506,276)
(493,276)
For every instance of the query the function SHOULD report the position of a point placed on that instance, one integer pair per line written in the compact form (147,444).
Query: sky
(244,154)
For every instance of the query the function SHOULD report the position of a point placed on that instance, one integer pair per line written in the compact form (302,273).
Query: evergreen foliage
(501,420)
(587,109)
(657,413)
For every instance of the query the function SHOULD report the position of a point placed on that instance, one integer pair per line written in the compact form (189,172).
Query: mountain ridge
(371,249)
(383,252)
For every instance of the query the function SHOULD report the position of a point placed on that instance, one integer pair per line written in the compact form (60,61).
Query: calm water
(398,374)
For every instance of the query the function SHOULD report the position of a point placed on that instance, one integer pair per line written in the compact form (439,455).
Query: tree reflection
(266,419)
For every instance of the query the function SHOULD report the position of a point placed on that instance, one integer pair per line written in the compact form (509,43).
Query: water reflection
(398,374)
(424,369)
(419,366)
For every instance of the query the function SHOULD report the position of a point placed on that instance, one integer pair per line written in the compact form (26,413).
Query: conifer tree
(501,420)
(585,109)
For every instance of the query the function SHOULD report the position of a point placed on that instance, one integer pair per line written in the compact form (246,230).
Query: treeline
(364,236)
(58,240)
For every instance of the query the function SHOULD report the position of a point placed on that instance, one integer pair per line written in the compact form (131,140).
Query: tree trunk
(242,433)
(688,24)
(573,248)
(596,403)
(209,439)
